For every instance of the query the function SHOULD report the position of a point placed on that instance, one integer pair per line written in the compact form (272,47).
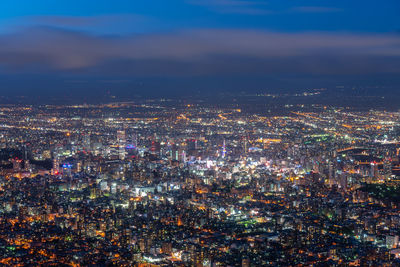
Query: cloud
(99,24)
(315,9)
(239,3)
(82,21)
(255,7)
(199,52)
(61,21)
(234,6)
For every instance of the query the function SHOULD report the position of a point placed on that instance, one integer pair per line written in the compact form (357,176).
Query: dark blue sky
(161,15)
(50,47)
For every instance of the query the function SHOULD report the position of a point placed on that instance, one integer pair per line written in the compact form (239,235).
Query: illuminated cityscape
(147,184)
(199,133)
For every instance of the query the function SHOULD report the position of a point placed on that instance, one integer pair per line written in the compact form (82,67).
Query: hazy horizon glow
(209,39)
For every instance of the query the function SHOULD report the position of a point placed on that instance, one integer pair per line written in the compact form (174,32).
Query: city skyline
(199,133)
(170,183)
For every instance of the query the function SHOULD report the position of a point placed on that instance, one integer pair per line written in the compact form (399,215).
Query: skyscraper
(86,142)
(223,152)
(121,139)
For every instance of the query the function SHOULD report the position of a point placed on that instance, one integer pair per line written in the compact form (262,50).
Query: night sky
(91,47)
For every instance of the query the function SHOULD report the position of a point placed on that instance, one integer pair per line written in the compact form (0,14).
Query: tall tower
(56,166)
(223,154)
(121,139)
(27,166)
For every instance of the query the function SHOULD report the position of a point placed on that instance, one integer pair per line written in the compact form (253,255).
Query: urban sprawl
(162,184)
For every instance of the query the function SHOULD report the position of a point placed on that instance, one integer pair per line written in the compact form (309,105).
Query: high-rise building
(86,142)
(27,165)
(245,262)
(223,152)
(392,241)
(155,147)
(56,166)
(16,164)
(121,139)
